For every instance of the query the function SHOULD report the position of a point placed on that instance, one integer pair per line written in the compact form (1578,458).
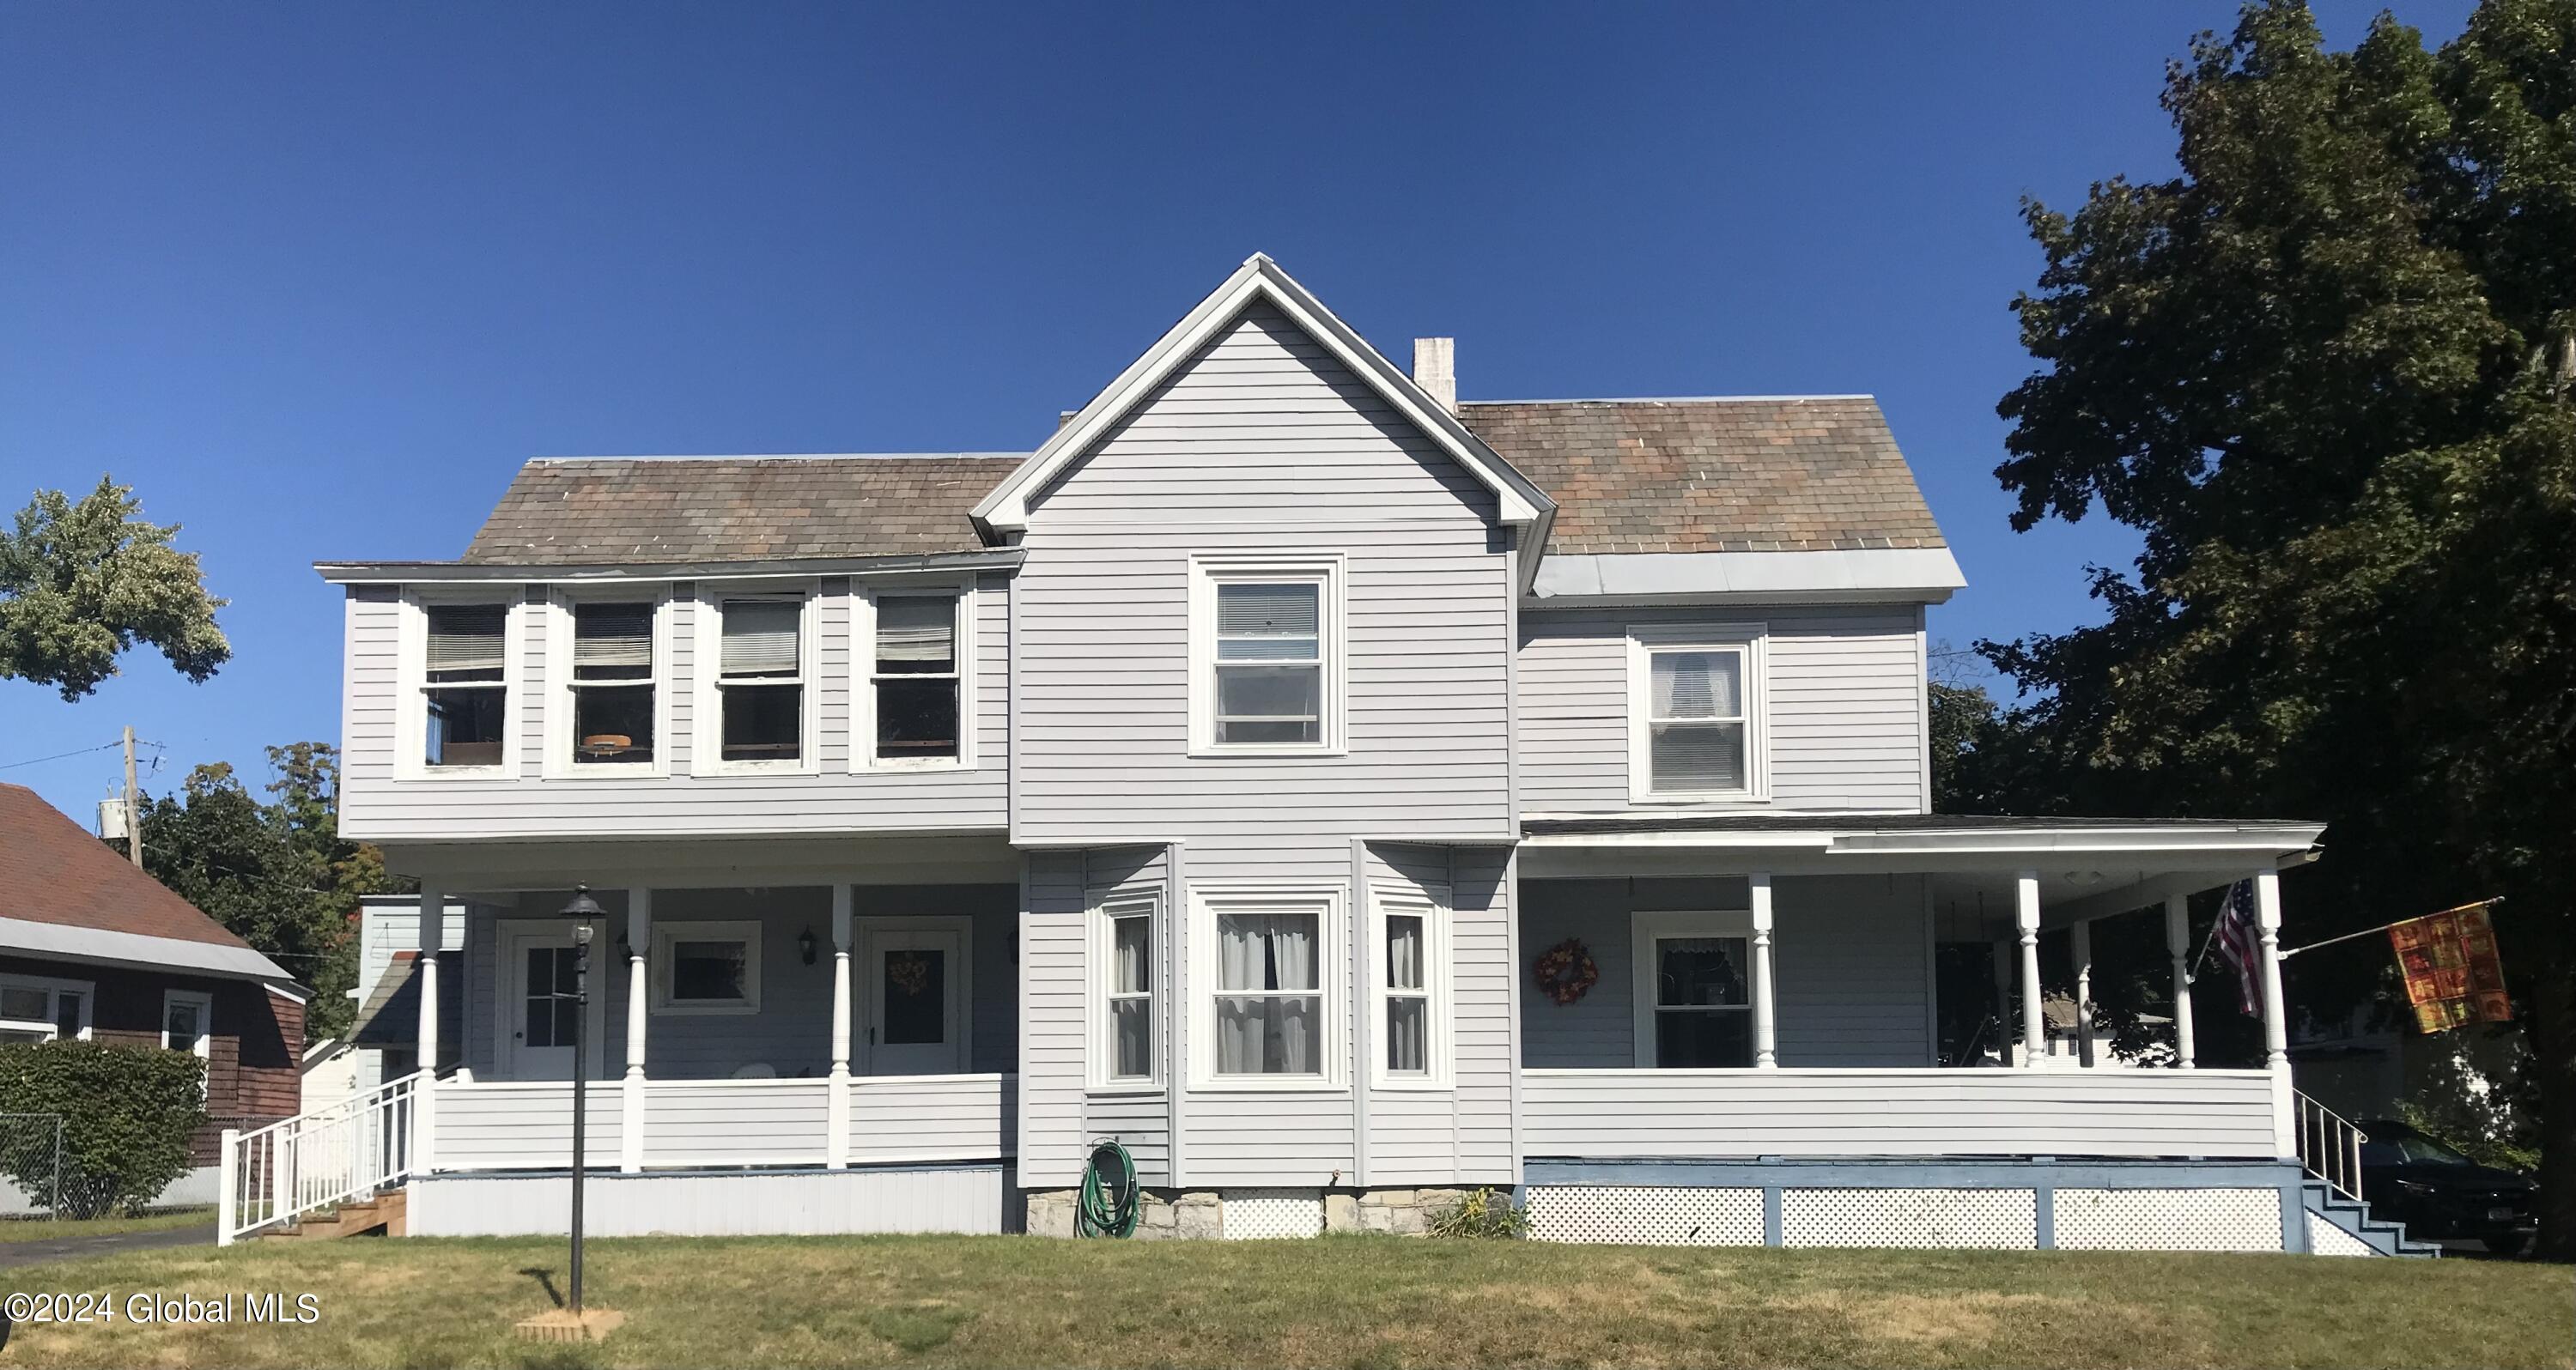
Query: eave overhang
(462,572)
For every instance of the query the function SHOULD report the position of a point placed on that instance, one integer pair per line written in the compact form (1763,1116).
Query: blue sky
(317,278)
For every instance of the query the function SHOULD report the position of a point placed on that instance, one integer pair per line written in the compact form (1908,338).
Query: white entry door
(536,1027)
(917,990)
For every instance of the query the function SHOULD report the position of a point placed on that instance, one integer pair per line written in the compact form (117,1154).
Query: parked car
(2441,1195)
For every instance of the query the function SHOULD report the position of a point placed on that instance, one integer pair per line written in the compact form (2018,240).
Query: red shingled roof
(53,871)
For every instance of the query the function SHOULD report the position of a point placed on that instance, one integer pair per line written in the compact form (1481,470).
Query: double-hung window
(1123,978)
(464,693)
(1411,982)
(1694,1009)
(1265,649)
(1695,726)
(38,1009)
(187,1021)
(612,683)
(917,680)
(760,679)
(1268,970)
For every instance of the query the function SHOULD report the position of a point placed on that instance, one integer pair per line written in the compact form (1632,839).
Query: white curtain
(1697,685)
(1267,1008)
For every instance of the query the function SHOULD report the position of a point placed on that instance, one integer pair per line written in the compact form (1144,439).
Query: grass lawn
(1345,1301)
(48,1229)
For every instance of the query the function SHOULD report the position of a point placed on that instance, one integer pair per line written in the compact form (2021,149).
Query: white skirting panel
(816,1203)
(1647,1215)
(2169,1219)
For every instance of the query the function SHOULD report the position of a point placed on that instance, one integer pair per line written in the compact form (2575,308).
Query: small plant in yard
(1482,1213)
(126,1111)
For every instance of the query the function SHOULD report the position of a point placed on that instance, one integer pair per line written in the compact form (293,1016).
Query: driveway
(15,1254)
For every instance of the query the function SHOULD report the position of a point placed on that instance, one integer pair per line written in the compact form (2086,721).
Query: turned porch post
(1766,1054)
(2026,921)
(424,1108)
(2276,1020)
(836,1145)
(2178,946)
(639,937)
(2080,941)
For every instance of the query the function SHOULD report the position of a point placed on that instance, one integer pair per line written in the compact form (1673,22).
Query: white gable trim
(1260,279)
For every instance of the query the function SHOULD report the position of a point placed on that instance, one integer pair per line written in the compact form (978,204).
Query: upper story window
(465,695)
(36,1008)
(1123,976)
(1269,1007)
(613,683)
(1265,655)
(917,680)
(760,679)
(1695,726)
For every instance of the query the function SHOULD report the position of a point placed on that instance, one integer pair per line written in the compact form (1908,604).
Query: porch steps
(384,1213)
(2353,1216)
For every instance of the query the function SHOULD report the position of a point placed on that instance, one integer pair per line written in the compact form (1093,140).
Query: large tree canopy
(80,584)
(2327,372)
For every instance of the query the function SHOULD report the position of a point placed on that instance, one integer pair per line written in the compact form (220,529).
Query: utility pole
(133,805)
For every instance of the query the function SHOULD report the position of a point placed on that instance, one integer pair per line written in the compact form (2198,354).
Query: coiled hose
(1109,1197)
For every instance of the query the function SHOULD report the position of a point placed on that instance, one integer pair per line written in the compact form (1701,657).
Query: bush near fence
(126,1110)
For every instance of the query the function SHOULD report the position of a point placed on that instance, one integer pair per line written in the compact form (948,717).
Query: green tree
(82,583)
(2326,371)
(277,873)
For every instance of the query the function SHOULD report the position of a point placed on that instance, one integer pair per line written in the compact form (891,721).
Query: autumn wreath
(1566,971)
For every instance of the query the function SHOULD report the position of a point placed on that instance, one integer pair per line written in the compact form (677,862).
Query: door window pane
(540,1007)
(915,997)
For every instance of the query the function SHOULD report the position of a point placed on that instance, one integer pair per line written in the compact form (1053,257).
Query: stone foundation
(1199,1214)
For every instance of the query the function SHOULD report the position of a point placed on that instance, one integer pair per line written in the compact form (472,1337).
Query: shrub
(1482,1213)
(126,1110)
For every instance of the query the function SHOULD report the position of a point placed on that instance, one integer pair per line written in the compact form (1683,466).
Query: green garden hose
(1109,1197)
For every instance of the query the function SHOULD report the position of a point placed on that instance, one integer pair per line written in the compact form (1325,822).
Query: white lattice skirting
(2326,1239)
(1257,1214)
(1909,1217)
(1646,1215)
(2169,1219)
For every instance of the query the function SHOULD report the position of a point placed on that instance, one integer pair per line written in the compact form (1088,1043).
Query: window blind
(917,629)
(466,637)
(612,635)
(760,637)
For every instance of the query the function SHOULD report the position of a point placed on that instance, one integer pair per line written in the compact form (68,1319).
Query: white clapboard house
(1215,779)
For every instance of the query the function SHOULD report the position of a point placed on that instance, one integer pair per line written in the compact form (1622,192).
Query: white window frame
(667,935)
(1431,905)
(707,689)
(54,990)
(863,675)
(1751,641)
(559,739)
(1328,572)
(205,1003)
(411,650)
(1643,929)
(1331,905)
(1103,948)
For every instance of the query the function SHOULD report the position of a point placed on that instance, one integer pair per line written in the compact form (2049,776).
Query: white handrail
(2330,1146)
(329,1156)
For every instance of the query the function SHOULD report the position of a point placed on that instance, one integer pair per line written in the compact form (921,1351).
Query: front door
(917,994)
(538,1026)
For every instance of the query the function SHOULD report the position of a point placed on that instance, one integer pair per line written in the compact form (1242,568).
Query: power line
(58,756)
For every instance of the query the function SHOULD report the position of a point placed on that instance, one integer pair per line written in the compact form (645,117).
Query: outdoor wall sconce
(805,945)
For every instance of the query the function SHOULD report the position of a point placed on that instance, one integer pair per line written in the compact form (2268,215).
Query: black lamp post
(584,908)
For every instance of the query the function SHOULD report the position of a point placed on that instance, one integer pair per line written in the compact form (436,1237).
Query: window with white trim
(917,679)
(1693,1005)
(1410,990)
(1269,968)
(614,682)
(1695,726)
(35,1008)
(760,678)
(706,968)
(188,1022)
(1265,654)
(464,691)
(1124,971)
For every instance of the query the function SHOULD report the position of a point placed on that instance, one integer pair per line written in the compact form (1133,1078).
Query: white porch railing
(2330,1146)
(332,1155)
(726,1124)
(1672,1114)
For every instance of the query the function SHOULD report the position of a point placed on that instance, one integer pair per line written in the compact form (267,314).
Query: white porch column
(836,1147)
(2080,939)
(1766,1055)
(2178,946)
(2276,1019)
(424,1107)
(639,938)
(2034,1039)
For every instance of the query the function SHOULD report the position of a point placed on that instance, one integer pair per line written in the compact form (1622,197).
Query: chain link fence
(31,1165)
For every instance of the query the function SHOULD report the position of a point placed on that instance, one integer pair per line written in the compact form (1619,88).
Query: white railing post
(2178,946)
(2034,1040)
(227,1181)
(2276,1020)
(1766,1055)
(630,1118)
(2079,938)
(836,1111)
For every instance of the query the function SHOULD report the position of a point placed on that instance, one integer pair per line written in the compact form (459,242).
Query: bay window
(760,679)
(612,683)
(464,690)
(1695,728)
(1269,973)
(1265,667)
(917,680)
(1411,991)
(1123,977)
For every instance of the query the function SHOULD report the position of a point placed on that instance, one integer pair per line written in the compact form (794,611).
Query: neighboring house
(92,948)
(382,1042)
(1212,780)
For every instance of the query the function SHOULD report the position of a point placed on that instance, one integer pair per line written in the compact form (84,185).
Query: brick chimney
(1435,369)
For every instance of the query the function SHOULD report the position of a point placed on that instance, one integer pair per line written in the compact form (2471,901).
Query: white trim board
(1927,575)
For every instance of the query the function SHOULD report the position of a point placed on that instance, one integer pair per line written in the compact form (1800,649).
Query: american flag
(2241,945)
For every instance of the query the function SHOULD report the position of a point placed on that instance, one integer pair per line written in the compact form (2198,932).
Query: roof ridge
(1679,399)
(786,456)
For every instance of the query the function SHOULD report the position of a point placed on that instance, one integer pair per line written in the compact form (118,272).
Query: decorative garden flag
(2241,943)
(2453,975)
